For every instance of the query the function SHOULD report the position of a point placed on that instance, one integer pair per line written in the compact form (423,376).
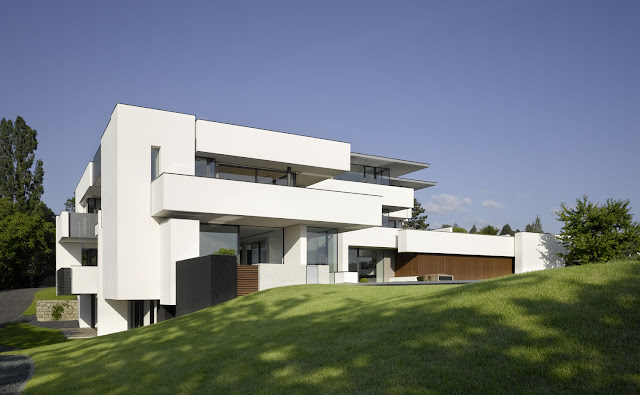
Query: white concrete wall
(346,277)
(400,214)
(293,150)
(83,186)
(113,316)
(173,193)
(84,280)
(272,276)
(534,251)
(295,245)
(68,254)
(421,241)
(131,235)
(397,198)
(365,238)
(62,225)
(318,274)
(180,240)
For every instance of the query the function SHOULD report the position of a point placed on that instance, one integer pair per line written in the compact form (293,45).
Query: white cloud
(447,204)
(491,204)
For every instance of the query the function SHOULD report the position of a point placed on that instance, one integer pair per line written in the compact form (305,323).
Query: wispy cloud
(491,204)
(447,204)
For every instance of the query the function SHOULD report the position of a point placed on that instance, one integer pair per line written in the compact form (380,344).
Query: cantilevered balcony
(244,203)
(76,227)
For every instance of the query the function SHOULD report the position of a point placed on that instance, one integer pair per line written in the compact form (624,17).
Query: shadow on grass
(23,336)
(562,331)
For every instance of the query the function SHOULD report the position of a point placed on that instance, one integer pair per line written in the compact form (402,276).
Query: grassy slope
(45,294)
(564,330)
(18,335)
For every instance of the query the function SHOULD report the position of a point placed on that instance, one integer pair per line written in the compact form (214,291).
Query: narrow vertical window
(155,162)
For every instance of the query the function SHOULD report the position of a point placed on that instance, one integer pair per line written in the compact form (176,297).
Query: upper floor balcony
(76,227)
(223,201)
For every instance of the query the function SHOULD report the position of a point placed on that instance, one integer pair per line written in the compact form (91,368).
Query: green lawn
(45,294)
(23,336)
(571,330)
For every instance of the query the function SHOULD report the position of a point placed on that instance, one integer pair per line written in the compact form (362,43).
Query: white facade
(164,187)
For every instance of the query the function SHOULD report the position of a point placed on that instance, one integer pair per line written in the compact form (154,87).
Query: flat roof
(413,184)
(397,167)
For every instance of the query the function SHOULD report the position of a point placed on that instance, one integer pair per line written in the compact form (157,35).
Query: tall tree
(473,229)
(506,230)
(535,226)
(417,220)
(489,230)
(594,233)
(70,205)
(21,183)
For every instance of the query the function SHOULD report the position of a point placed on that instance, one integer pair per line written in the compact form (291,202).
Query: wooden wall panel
(462,267)
(247,279)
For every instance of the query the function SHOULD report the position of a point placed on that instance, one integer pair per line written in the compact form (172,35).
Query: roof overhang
(397,167)
(413,184)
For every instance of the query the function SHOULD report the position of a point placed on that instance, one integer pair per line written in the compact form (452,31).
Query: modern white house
(165,190)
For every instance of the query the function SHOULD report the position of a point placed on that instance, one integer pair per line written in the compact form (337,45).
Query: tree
(473,229)
(21,183)
(489,230)
(27,246)
(594,233)
(70,205)
(458,229)
(535,226)
(27,230)
(506,230)
(417,220)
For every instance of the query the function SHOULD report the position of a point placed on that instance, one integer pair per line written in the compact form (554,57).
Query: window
(89,257)
(93,205)
(322,247)
(206,167)
(218,239)
(155,162)
(368,174)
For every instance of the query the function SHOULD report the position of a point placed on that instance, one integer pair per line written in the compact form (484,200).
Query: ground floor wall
(461,267)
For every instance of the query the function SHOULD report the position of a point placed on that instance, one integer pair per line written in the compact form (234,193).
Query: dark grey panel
(63,281)
(204,281)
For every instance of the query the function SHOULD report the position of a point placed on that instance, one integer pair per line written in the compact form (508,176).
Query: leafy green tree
(458,229)
(473,229)
(417,220)
(27,246)
(598,233)
(27,230)
(70,205)
(535,226)
(489,230)
(21,182)
(506,230)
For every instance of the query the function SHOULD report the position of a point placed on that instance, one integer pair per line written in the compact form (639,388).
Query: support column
(295,245)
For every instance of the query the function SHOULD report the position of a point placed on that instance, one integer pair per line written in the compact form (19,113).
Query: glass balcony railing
(83,225)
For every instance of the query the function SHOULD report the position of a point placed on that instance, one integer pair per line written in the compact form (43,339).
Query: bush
(225,251)
(57,310)
(364,280)
(421,278)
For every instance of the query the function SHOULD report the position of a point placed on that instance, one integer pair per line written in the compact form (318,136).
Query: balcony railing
(83,225)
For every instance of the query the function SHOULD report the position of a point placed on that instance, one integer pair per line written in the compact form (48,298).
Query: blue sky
(517,105)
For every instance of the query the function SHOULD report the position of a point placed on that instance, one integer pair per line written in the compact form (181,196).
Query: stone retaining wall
(45,307)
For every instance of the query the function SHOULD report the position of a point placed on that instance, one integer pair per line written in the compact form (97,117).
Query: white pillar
(295,245)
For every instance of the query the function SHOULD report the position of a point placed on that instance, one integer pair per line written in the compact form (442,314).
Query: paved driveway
(14,302)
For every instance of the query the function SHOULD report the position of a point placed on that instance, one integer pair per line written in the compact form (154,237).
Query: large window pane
(201,167)
(228,172)
(322,247)
(218,239)
(261,245)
